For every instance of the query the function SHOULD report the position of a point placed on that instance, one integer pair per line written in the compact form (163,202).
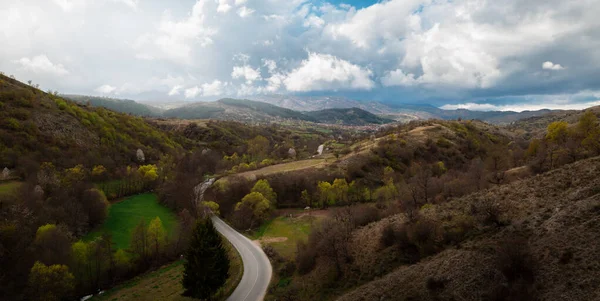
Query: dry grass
(284,167)
(557,212)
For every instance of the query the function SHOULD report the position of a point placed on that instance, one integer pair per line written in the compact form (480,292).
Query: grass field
(284,167)
(283,233)
(9,187)
(165,283)
(124,216)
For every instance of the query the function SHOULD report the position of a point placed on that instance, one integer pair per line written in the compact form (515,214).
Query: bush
(305,258)
(516,263)
(12,124)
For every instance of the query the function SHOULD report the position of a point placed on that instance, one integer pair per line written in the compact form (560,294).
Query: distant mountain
(235,109)
(120,105)
(351,116)
(400,112)
(274,107)
(316,103)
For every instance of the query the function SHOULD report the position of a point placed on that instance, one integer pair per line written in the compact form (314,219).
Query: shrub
(12,124)
(305,258)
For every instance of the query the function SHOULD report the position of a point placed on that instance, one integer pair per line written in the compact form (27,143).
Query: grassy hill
(40,127)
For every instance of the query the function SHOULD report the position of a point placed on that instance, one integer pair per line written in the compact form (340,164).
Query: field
(8,187)
(165,283)
(124,216)
(284,167)
(282,233)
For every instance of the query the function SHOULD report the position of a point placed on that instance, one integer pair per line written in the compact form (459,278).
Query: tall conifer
(207,264)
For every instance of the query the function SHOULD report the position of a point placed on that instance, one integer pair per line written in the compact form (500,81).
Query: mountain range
(331,110)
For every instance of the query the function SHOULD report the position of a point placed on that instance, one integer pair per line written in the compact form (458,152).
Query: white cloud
(270,64)
(213,89)
(327,72)
(175,40)
(398,78)
(224,6)
(245,11)
(131,3)
(414,49)
(245,72)
(105,89)
(314,21)
(551,66)
(41,64)
(192,92)
(69,5)
(175,90)
(521,107)
(380,21)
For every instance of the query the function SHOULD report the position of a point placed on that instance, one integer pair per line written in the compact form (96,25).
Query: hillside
(118,105)
(249,111)
(235,109)
(553,216)
(537,124)
(317,103)
(40,127)
(352,116)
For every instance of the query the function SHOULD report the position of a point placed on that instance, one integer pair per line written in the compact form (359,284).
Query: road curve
(257,268)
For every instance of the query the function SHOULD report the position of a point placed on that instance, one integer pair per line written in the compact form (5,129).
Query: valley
(340,211)
(310,150)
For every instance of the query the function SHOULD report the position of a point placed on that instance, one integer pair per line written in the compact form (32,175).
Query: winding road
(257,268)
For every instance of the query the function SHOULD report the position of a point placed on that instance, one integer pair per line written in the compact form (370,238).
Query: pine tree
(207,264)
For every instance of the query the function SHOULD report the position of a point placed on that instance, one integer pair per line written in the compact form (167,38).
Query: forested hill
(119,105)
(351,116)
(39,127)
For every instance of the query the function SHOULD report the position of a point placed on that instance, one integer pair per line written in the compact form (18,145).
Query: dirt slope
(557,213)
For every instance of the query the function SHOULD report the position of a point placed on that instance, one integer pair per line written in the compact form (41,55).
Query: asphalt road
(257,268)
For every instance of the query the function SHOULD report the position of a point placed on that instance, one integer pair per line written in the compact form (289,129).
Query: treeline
(564,143)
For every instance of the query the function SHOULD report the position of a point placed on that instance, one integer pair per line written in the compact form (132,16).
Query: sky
(474,54)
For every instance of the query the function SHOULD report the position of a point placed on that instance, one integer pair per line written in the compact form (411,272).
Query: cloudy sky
(478,54)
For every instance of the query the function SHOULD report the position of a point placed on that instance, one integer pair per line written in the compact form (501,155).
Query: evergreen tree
(207,264)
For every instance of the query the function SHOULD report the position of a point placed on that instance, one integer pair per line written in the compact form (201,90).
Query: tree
(148,172)
(96,205)
(263,187)
(139,241)
(50,283)
(157,236)
(207,265)
(259,205)
(53,244)
(258,147)
(557,134)
(590,132)
(339,190)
